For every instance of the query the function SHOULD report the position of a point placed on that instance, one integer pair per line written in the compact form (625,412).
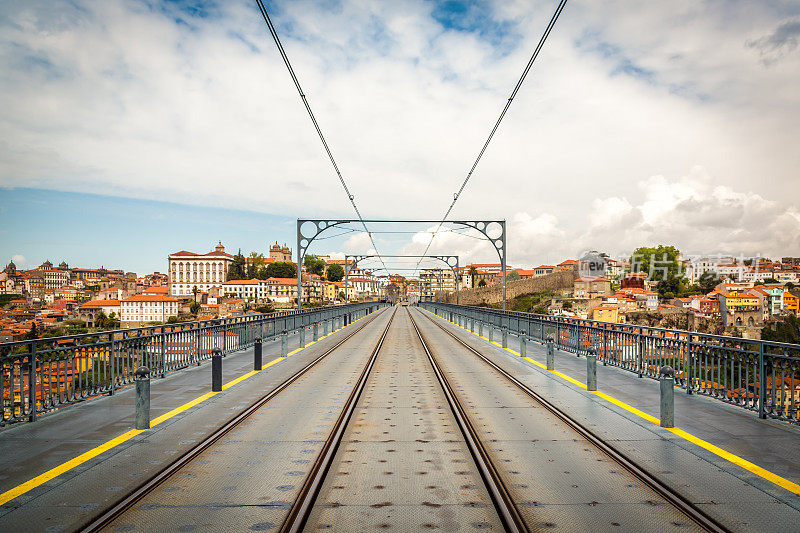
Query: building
(189,271)
(608,313)
(140,309)
(591,287)
(570,264)
(741,308)
(543,270)
(434,281)
(280,253)
(791,303)
(90,311)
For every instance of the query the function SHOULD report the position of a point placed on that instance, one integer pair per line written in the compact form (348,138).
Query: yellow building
(791,302)
(608,313)
(330,291)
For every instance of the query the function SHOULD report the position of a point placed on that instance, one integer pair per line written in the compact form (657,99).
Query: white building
(188,270)
(280,290)
(138,310)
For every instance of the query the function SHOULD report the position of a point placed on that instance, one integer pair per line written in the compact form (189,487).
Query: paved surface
(738,498)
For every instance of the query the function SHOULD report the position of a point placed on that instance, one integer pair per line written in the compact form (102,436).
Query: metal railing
(761,376)
(40,375)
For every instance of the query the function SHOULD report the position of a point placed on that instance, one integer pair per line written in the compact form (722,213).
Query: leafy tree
(789,285)
(482,283)
(787,329)
(279,269)
(707,281)
(512,276)
(335,272)
(566,305)
(670,287)
(314,265)
(341,295)
(237,269)
(33,334)
(255,265)
(662,260)
(266,309)
(771,281)
(173,320)
(539,309)
(472,273)
(194,292)
(194,308)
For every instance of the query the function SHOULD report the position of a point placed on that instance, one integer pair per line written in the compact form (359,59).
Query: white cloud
(19,260)
(116,97)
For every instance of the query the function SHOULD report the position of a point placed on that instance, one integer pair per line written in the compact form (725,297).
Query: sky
(134,128)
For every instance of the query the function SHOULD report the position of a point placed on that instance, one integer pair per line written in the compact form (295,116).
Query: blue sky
(640,123)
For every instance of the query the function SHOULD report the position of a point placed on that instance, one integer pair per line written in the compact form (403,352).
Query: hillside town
(711,294)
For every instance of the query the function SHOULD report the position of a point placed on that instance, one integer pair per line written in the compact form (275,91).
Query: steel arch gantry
(493,230)
(450,260)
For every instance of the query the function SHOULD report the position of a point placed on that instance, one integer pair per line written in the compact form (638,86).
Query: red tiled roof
(99,303)
(149,298)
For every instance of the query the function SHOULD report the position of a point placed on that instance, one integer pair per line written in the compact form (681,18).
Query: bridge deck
(252,475)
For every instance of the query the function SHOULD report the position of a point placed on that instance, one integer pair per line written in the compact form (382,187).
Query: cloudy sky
(640,123)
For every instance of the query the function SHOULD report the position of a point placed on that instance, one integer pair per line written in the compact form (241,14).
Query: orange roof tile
(149,298)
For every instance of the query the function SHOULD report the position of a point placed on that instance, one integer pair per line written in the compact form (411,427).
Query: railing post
(504,336)
(257,354)
(31,381)
(480,328)
(762,382)
(216,370)
(591,370)
(551,355)
(224,337)
(142,397)
(325,327)
(523,346)
(302,336)
(113,354)
(284,342)
(163,372)
(689,372)
(315,332)
(640,355)
(667,382)
(605,346)
(197,335)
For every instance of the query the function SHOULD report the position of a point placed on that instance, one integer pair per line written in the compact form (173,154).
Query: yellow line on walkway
(716,450)
(31,484)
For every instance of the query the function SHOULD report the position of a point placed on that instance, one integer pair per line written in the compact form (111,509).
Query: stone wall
(493,294)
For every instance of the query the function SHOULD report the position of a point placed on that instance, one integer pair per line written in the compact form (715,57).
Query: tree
(341,295)
(512,276)
(787,329)
(194,308)
(173,320)
(279,269)
(335,272)
(195,291)
(33,334)
(472,273)
(314,265)
(771,281)
(255,264)
(482,283)
(658,262)
(237,269)
(670,287)
(707,281)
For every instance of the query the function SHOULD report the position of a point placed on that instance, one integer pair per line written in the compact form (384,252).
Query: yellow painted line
(32,483)
(716,450)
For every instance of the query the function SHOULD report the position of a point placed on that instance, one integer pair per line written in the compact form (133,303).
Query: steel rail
(679,501)
(504,503)
(298,515)
(119,508)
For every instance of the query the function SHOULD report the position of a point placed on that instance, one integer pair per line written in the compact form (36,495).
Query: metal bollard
(302,336)
(216,370)
(591,370)
(523,346)
(666,378)
(257,354)
(315,332)
(142,397)
(505,337)
(551,355)
(284,342)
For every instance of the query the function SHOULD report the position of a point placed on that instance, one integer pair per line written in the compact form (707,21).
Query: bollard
(505,337)
(523,346)
(591,370)
(257,354)
(551,355)
(142,397)
(666,377)
(216,370)
(302,336)
(284,342)
(315,332)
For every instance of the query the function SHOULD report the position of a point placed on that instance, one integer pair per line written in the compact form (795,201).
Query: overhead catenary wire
(517,87)
(296,81)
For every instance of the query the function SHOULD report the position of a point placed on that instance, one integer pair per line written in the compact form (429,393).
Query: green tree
(708,280)
(482,283)
(771,281)
(33,334)
(194,292)
(661,261)
(255,264)
(173,320)
(314,265)
(341,295)
(194,308)
(472,273)
(512,276)
(670,287)
(279,269)
(335,272)
(237,269)
(786,329)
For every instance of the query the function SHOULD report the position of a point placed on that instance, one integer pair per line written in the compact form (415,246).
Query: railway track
(129,501)
(682,504)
